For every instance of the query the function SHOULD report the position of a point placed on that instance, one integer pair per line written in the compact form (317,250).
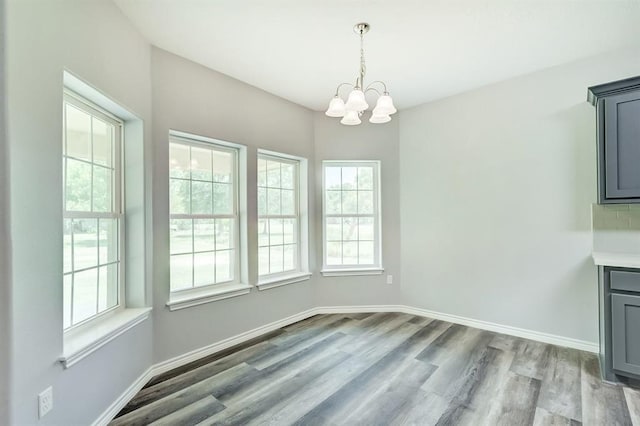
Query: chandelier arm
(381,82)
(340,87)
(374,89)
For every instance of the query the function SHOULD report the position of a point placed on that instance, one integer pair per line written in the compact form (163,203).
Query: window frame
(118,205)
(301,271)
(354,269)
(208,289)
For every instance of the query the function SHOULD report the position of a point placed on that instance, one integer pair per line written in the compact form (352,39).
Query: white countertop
(622,260)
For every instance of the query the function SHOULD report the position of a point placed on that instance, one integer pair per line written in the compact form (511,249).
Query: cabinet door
(625,325)
(622,145)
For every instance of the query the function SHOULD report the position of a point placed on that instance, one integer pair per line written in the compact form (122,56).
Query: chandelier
(356,104)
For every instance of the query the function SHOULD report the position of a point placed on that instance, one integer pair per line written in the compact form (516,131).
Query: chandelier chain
(363,66)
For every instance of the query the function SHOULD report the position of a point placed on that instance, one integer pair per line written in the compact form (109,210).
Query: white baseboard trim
(124,398)
(553,339)
(355,309)
(194,355)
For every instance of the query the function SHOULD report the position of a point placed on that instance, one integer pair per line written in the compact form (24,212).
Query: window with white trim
(278,216)
(203,211)
(93,211)
(351,215)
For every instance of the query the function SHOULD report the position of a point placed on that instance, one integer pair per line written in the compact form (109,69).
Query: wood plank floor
(385,369)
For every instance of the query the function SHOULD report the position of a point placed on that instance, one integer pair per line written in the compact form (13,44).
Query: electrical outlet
(389,279)
(45,402)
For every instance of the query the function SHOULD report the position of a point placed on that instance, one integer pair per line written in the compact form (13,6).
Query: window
(203,208)
(281,216)
(93,218)
(351,194)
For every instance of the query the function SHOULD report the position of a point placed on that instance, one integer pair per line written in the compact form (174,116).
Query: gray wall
(5,235)
(496,191)
(334,141)
(93,40)
(195,99)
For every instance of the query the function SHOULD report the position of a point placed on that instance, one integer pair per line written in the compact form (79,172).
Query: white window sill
(82,344)
(351,272)
(207,295)
(283,280)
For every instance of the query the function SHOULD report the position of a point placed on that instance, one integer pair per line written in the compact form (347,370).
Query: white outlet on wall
(389,279)
(45,402)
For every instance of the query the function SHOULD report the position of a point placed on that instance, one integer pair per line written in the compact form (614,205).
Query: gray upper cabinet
(618,113)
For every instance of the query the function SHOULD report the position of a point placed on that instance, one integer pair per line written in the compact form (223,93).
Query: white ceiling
(424,50)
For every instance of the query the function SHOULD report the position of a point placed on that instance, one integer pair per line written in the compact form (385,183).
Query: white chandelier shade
(336,107)
(385,105)
(356,102)
(351,118)
(379,119)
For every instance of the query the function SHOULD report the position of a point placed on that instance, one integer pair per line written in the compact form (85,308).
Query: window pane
(290,257)
(85,295)
(204,235)
(334,253)
(365,256)
(289,231)
(334,229)
(332,178)
(102,142)
(273,174)
(275,232)
(78,132)
(201,197)
(333,200)
(288,202)
(78,186)
(179,161)
(262,172)
(108,240)
(365,231)
(263,232)
(180,236)
(349,178)
(107,287)
(179,197)
(203,268)
(224,265)
(181,272)
(365,178)
(275,259)
(350,253)
(102,178)
(222,198)
(349,202)
(224,233)
(263,260)
(365,202)
(222,166)
(262,201)
(85,243)
(288,175)
(66,301)
(349,229)
(67,252)
(201,164)
(273,201)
